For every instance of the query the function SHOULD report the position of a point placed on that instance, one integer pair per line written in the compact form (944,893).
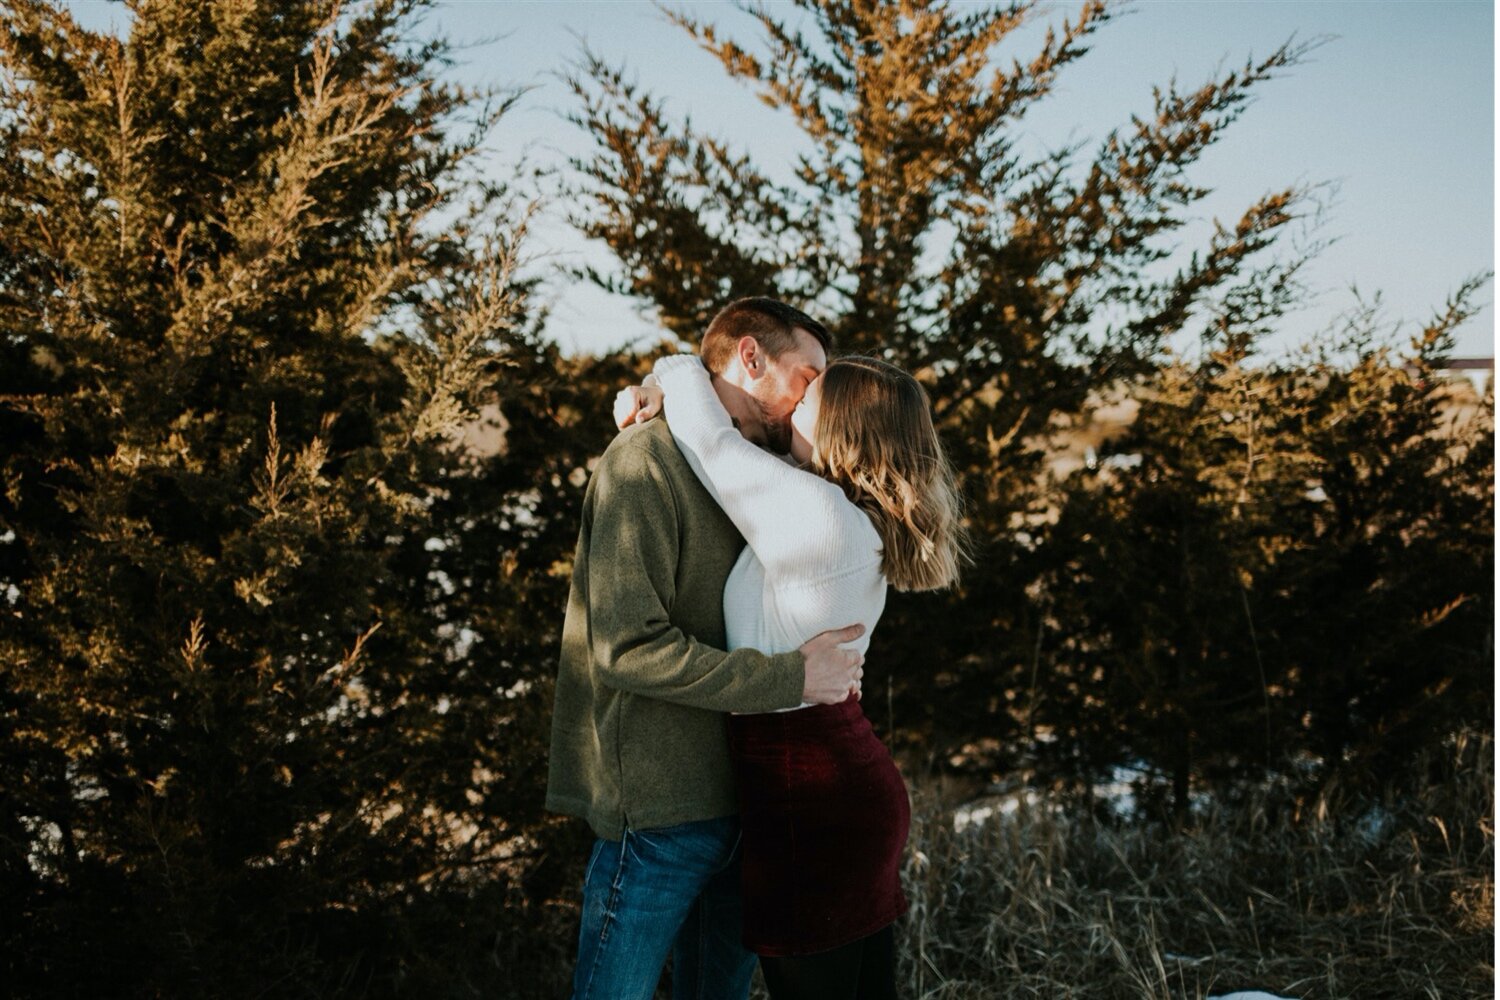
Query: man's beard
(778,431)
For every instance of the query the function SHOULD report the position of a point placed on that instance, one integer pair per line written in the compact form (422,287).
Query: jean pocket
(588,871)
(705,845)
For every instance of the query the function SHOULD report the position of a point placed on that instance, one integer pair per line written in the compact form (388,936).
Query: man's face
(781,385)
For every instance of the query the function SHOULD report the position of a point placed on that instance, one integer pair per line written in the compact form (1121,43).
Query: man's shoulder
(643,460)
(643,447)
(643,470)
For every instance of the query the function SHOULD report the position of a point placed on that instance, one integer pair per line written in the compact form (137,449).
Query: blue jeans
(667,891)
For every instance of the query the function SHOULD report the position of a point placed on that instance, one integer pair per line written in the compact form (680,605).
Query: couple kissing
(737,541)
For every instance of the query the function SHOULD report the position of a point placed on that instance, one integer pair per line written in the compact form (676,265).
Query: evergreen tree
(918,230)
(274,649)
(1294,578)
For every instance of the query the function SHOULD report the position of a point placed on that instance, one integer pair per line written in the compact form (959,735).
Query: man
(639,746)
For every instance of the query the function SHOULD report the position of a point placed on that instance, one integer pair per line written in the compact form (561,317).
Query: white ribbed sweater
(812,558)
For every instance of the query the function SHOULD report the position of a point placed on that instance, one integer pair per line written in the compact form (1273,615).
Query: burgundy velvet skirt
(824,817)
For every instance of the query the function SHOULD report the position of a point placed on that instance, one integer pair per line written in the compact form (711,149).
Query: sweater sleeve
(798,524)
(632,564)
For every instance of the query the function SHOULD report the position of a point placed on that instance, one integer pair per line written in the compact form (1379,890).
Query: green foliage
(1161,616)
(279,628)
(1295,578)
(276,652)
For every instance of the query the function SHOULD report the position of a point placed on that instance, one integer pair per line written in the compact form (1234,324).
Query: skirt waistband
(803,722)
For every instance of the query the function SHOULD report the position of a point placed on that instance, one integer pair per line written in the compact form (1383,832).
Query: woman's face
(805,421)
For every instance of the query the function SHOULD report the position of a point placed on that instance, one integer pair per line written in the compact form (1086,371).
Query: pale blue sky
(1398,109)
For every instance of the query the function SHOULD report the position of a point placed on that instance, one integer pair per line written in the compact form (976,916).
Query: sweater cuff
(791,678)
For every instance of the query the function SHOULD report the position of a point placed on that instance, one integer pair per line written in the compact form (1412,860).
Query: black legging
(863,970)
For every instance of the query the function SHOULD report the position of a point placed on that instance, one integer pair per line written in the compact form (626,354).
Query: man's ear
(751,357)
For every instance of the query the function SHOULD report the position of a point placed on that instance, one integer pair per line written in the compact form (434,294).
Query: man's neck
(742,410)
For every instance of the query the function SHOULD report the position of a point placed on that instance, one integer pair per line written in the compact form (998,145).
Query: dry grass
(1044,903)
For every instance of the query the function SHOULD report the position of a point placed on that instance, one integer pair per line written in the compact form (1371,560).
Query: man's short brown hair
(768,320)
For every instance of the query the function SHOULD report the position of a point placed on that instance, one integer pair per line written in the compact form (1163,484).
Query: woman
(870,503)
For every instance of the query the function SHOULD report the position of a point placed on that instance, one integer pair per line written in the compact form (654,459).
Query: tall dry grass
(1346,895)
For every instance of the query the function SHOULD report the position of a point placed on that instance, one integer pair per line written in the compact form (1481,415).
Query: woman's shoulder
(815,501)
(851,516)
(839,538)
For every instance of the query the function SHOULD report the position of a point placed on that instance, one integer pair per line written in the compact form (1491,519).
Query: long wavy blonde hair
(876,440)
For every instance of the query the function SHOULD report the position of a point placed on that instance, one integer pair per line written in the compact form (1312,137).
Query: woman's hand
(637,404)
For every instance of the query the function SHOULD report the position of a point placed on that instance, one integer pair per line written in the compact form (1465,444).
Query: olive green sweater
(638,730)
